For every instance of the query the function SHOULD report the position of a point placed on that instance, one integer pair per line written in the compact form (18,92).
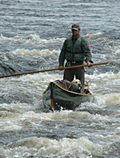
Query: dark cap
(75,27)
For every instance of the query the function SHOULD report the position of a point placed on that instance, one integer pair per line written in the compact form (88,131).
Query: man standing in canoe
(75,50)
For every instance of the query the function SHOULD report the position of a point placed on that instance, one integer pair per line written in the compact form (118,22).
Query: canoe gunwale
(72,92)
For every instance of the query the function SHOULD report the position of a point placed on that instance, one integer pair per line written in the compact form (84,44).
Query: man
(75,50)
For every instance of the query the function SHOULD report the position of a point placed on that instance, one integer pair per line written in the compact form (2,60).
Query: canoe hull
(63,98)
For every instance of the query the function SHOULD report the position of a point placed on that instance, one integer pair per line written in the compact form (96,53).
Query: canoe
(57,96)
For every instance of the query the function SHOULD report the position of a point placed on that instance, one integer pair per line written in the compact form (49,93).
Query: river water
(32,34)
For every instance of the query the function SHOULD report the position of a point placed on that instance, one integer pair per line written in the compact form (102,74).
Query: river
(31,37)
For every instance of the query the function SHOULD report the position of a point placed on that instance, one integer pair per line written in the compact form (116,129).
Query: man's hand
(61,67)
(89,64)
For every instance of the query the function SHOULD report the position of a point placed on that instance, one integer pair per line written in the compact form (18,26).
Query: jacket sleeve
(62,54)
(86,50)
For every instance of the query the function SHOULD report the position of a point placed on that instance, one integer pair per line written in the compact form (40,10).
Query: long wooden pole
(70,67)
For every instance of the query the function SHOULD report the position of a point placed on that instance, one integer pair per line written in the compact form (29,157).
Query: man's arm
(62,57)
(86,50)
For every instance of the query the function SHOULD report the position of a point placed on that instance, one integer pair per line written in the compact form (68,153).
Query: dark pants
(78,73)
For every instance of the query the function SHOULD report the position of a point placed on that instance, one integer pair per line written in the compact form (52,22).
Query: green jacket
(79,51)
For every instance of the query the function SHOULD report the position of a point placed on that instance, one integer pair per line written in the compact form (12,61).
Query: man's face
(75,33)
